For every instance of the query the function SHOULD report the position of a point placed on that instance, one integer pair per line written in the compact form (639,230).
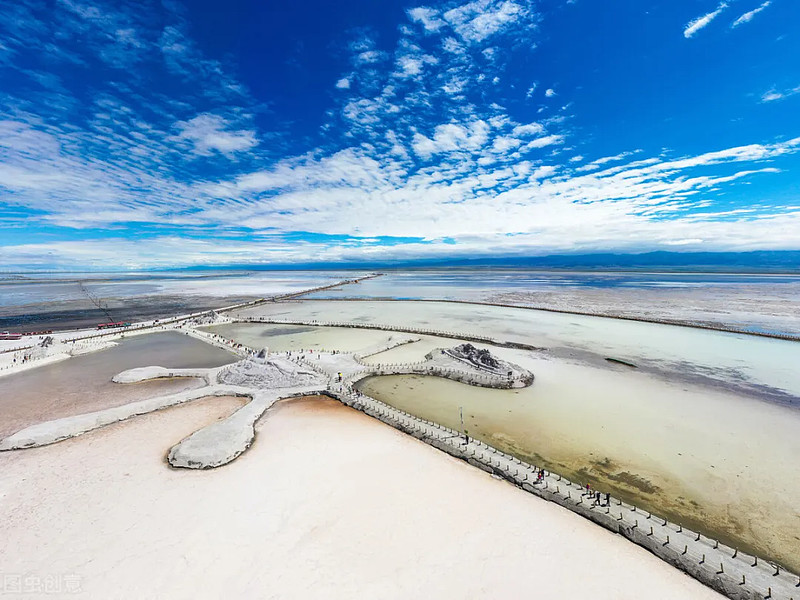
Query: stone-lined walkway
(734,574)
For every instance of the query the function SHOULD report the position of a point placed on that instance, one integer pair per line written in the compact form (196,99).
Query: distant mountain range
(767,260)
(762,261)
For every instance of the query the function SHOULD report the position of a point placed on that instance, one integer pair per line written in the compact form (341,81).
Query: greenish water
(282,338)
(720,463)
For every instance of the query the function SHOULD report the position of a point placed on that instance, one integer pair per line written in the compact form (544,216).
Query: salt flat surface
(753,302)
(280,523)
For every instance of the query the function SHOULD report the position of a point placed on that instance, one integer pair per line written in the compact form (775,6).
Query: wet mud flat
(79,314)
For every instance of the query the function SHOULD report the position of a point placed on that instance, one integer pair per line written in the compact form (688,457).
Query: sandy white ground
(328,503)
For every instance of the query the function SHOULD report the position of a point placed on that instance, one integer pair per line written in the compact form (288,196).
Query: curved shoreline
(721,328)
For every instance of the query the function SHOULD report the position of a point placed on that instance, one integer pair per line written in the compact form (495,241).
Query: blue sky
(151,134)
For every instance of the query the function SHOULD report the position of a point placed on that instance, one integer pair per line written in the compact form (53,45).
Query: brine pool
(83,384)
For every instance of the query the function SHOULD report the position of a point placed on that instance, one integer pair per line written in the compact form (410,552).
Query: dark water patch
(619,361)
(288,330)
(78,314)
(719,378)
(259,330)
(635,481)
(724,379)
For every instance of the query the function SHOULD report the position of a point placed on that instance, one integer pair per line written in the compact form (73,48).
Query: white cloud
(210,133)
(748,16)
(550,92)
(529,129)
(552,233)
(547,140)
(478,20)
(774,94)
(503,144)
(343,84)
(409,66)
(22,138)
(683,242)
(350,193)
(452,137)
(697,24)
(428,17)
(369,57)
(597,163)
(456,85)
(453,46)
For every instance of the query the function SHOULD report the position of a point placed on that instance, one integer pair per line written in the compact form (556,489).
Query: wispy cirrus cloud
(695,25)
(748,16)
(776,94)
(599,162)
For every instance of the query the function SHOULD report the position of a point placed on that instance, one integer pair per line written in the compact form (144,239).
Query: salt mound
(209,318)
(267,373)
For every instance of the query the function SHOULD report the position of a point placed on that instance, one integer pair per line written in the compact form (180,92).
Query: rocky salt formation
(485,368)
(480,358)
(212,317)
